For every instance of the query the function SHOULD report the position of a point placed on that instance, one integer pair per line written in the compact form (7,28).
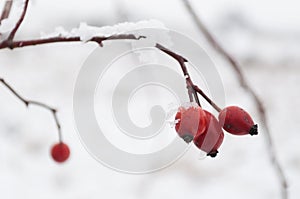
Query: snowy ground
(263,35)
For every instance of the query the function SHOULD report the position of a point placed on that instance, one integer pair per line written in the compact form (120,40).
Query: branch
(99,40)
(192,88)
(9,43)
(262,112)
(6,10)
(18,24)
(36,103)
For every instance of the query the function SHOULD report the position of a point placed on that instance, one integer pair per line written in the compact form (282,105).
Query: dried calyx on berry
(211,139)
(190,120)
(237,121)
(254,130)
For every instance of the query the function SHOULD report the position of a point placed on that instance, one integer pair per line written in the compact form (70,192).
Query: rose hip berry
(190,121)
(60,152)
(237,121)
(212,138)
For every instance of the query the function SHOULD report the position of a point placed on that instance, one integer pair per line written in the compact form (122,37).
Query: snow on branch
(87,32)
(84,33)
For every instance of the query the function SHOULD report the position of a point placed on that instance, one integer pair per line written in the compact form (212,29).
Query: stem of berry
(31,102)
(181,60)
(198,90)
(192,88)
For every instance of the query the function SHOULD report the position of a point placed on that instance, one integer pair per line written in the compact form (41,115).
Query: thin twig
(181,60)
(212,103)
(36,103)
(99,40)
(18,24)
(6,10)
(262,111)
(192,88)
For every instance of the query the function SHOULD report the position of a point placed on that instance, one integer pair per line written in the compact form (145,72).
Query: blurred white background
(263,35)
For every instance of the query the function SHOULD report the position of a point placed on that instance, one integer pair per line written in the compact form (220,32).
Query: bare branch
(6,10)
(36,103)
(18,24)
(99,40)
(192,88)
(259,104)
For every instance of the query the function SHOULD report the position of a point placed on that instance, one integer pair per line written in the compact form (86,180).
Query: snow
(267,49)
(59,32)
(187,105)
(86,32)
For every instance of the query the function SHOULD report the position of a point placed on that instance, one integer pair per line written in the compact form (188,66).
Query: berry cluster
(202,127)
(205,130)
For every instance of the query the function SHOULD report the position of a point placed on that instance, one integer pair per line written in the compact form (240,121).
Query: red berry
(60,152)
(237,121)
(212,138)
(191,121)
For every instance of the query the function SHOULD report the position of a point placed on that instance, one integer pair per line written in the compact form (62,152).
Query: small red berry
(212,138)
(237,121)
(60,152)
(190,121)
